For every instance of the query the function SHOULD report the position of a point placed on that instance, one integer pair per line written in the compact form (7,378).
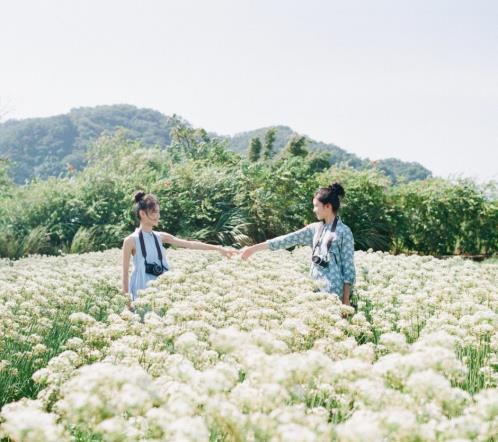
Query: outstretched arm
(195,245)
(302,237)
(248,251)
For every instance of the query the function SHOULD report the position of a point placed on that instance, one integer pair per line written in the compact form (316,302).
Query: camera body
(318,260)
(154,269)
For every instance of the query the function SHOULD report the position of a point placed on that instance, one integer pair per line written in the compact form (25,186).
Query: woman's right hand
(246,252)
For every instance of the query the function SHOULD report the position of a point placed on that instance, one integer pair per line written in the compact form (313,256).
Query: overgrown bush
(440,217)
(211,194)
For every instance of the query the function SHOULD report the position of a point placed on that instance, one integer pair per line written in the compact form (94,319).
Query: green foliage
(276,196)
(255,149)
(211,194)
(489,228)
(44,216)
(475,359)
(84,240)
(365,208)
(43,147)
(318,161)
(296,146)
(5,180)
(195,144)
(442,218)
(9,243)
(401,171)
(198,202)
(270,137)
(57,146)
(37,241)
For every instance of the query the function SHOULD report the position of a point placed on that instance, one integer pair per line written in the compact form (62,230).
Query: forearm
(125,282)
(197,245)
(260,247)
(301,237)
(346,293)
(248,251)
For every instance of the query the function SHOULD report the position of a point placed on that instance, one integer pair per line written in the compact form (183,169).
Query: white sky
(416,80)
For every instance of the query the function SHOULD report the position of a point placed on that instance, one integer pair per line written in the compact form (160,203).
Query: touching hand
(246,252)
(228,252)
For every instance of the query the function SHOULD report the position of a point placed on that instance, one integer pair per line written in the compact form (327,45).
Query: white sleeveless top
(139,279)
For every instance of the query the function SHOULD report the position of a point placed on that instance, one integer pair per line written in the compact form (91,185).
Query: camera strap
(320,234)
(144,251)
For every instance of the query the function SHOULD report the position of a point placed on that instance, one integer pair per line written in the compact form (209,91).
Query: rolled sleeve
(347,261)
(301,237)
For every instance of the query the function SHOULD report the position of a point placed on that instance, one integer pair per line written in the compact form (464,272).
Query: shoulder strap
(334,226)
(158,247)
(318,237)
(320,232)
(144,250)
(142,244)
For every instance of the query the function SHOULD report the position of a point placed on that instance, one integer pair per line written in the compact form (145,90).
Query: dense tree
(401,171)
(255,149)
(270,137)
(5,180)
(296,146)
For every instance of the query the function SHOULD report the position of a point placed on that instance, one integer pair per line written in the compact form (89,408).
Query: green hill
(43,147)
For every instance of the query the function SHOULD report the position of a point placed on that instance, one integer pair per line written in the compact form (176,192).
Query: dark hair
(331,195)
(144,202)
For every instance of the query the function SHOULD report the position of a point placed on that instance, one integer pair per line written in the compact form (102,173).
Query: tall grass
(16,379)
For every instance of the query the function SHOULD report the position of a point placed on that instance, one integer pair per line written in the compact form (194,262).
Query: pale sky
(415,80)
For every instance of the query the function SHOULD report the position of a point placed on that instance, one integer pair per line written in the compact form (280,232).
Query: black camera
(319,261)
(154,269)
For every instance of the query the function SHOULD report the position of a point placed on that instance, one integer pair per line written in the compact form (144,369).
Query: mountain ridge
(44,146)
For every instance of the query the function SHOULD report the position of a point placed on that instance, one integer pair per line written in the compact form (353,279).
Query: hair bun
(337,189)
(139,196)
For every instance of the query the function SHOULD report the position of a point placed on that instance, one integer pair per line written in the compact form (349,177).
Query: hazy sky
(416,80)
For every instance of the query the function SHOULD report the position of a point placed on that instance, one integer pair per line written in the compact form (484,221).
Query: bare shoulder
(129,242)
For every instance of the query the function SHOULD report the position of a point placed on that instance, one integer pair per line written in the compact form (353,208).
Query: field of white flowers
(227,350)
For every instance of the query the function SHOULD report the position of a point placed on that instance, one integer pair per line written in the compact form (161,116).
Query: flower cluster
(233,350)
(37,296)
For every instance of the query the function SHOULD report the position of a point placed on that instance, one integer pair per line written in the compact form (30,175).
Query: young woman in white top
(146,247)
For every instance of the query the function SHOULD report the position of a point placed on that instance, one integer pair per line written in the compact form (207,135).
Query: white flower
(25,420)
(394,342)
(247,351)
(362,425)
